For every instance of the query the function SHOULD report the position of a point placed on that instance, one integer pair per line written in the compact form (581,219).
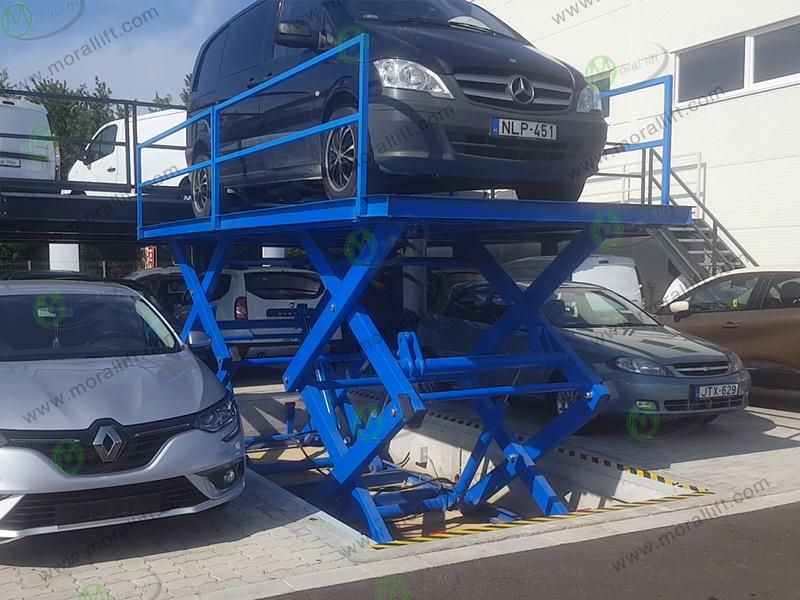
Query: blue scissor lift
(407,376)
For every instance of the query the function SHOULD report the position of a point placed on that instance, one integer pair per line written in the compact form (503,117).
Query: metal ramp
(413,383)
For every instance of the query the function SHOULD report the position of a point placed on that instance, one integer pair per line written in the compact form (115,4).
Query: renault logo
(522,90)
(107,443)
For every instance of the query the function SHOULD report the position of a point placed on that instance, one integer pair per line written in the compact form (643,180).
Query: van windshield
(447,13)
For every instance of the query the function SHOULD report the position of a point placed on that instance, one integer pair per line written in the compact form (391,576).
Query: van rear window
(284,286)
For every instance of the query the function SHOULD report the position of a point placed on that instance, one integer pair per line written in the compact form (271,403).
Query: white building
(737,125)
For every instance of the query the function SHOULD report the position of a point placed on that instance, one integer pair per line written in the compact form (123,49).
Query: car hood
(73,394)
(660,344)
(452,50)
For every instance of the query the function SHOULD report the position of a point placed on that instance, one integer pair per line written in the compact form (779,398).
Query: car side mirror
(296,34)
(198,340)
(679,309)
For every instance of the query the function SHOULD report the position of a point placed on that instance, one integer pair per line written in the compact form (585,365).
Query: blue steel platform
(412,381)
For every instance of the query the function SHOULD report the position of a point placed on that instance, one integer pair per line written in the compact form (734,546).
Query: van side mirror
(296,34)
(83,157)
(679,309)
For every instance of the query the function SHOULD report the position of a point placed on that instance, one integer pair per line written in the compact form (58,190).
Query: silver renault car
(106,417)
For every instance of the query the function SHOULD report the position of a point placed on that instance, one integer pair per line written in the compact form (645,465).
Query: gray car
(106,416)
(645,365)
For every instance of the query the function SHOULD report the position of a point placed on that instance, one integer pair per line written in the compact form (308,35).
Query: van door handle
(111,169)
(252,82)
(731,325)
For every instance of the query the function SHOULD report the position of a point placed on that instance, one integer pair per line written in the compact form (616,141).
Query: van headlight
(406,75)
(219,416)
(589,100)
(640,366)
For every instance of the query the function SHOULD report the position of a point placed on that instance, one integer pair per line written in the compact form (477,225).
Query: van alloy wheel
(340,158)
(201,201)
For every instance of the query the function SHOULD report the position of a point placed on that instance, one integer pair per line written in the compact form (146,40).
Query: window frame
(769,279)
(758,293)
(750,85)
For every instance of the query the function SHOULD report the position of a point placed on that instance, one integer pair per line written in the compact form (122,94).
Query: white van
(104,162)
(616,273)
(22,157)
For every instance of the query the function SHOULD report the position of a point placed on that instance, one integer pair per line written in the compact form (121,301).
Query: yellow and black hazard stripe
(598,460)
(464,530)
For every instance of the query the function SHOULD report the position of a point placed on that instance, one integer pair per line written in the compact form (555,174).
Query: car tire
(557,192)
(201,188)
(339,158)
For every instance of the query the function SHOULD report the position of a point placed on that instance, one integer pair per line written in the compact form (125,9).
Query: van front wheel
(340,157)
(201,189)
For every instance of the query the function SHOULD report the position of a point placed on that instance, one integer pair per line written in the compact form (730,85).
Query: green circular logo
(391,588)
(16,20)
(642,425)
(49,310)
(606,225)
(601,64)
(39,148)
(355,244)
(366,413)
(68,456)
(351,55)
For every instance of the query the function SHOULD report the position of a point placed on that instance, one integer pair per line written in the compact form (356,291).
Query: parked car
(245,293)
(107,417)
(458,101)
(106,158)
(616,273)
(754,312)
(645,365)
(26,157)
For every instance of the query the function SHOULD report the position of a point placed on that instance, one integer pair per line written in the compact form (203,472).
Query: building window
(718,65)
(776,54)
(745,62)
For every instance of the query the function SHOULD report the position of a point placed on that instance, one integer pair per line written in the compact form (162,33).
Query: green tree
(162,100)
(187,86)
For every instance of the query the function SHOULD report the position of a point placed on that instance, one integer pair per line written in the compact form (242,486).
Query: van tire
(563,192)
(200,186)
(339,157)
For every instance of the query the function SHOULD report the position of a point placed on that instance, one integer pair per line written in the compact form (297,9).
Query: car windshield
(449,13)
(60,326)
(575,308)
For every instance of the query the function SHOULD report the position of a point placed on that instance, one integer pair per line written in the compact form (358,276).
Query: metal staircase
(705,247)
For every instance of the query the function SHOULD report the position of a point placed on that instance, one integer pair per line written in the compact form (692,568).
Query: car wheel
(339,158)
(564,400)
(564,192)
(201,188)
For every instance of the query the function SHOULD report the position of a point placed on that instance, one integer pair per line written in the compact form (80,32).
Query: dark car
(457,101)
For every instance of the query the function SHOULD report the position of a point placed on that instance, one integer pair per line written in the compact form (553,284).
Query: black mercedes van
(458,101)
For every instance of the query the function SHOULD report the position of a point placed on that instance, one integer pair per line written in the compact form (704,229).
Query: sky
(153,56)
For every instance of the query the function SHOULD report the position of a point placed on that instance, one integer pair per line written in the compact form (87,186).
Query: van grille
(495,90)
(510,149)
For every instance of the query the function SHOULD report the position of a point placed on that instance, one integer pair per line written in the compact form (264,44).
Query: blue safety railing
(665,142)
(217,158)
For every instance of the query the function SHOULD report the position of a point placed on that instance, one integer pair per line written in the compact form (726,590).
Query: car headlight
(589,100)
(219,416)
(406,75)
(640,366)
(735,363)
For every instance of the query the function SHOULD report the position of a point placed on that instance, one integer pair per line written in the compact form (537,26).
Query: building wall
(747,141)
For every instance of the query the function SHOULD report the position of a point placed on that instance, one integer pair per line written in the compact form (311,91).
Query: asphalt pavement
(742,557)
